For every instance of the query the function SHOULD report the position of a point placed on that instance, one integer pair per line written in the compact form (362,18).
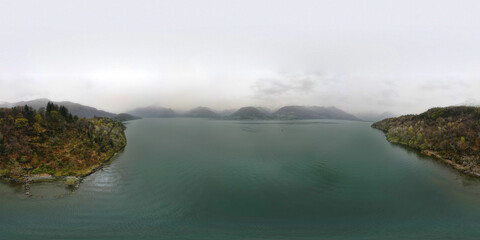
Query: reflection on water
(39,190)
(106,180)
(200,179)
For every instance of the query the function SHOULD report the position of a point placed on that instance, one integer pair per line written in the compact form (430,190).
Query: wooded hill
(51,140)
(451,133)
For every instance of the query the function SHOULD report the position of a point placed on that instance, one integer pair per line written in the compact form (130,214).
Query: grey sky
(401,56)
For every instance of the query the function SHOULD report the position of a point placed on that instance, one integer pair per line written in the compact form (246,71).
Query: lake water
(208,179)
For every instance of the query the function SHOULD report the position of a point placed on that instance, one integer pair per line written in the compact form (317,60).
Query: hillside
(202,112)
(249,113)
(314,112)
(451,134)
(375,116)
(75,108)
(55,142)
(153,112)
(122,117)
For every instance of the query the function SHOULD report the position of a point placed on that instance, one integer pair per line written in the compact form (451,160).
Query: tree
(64,112)
(41,111)
(38,118)
(51,107)
(38,129)
(10,119)
(28,113)
(54,116)
(21,123)
(70,118)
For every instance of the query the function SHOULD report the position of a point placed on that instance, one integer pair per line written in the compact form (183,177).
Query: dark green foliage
(63,111)
(452,132)
(51,107)
(55,141)
(55,113)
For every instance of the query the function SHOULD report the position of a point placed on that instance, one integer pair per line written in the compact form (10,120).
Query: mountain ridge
(202,112)
(153,112)
(75,108)
(312,112)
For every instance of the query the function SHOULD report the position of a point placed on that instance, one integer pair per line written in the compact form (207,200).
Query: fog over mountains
(359,56)
(472,102)
(245,113)
(153,112)
(290,112)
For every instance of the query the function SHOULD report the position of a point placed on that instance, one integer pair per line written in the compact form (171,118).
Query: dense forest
(51,140)
(451,133)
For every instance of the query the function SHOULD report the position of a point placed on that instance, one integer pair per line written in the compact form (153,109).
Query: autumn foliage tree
(52,140)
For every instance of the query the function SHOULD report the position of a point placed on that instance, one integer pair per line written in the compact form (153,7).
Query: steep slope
(451,134)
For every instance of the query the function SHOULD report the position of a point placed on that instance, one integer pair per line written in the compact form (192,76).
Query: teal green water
(206,179)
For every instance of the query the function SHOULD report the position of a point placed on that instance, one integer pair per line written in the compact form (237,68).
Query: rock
(71,181)
(41,177)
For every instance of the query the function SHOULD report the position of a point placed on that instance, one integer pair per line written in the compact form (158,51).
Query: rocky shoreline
(450,163)
(437,156)
(449,134)
(71,181)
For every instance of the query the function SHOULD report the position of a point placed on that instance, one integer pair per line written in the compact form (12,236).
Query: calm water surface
(206,179)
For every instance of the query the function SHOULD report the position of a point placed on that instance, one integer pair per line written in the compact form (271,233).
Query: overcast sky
(400,56)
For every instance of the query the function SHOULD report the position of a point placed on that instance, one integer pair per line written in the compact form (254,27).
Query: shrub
(21,122)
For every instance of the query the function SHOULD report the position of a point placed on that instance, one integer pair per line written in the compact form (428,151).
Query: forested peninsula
(51,141)
(451,134)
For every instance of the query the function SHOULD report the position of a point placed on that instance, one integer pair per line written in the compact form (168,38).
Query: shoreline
(435,155)
(452,164)
(45,177)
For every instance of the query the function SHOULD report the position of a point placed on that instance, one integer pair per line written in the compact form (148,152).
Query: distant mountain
(374,117)
(122,117)
(75,108)
(226,113)
(153,112)
(265,110)
(249,113)
(202,112)
(314,112)
(386,115)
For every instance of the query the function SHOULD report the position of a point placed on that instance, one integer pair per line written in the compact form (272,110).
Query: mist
(361,56)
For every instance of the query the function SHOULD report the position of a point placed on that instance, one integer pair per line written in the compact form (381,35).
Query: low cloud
(287,84)
(443,85)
